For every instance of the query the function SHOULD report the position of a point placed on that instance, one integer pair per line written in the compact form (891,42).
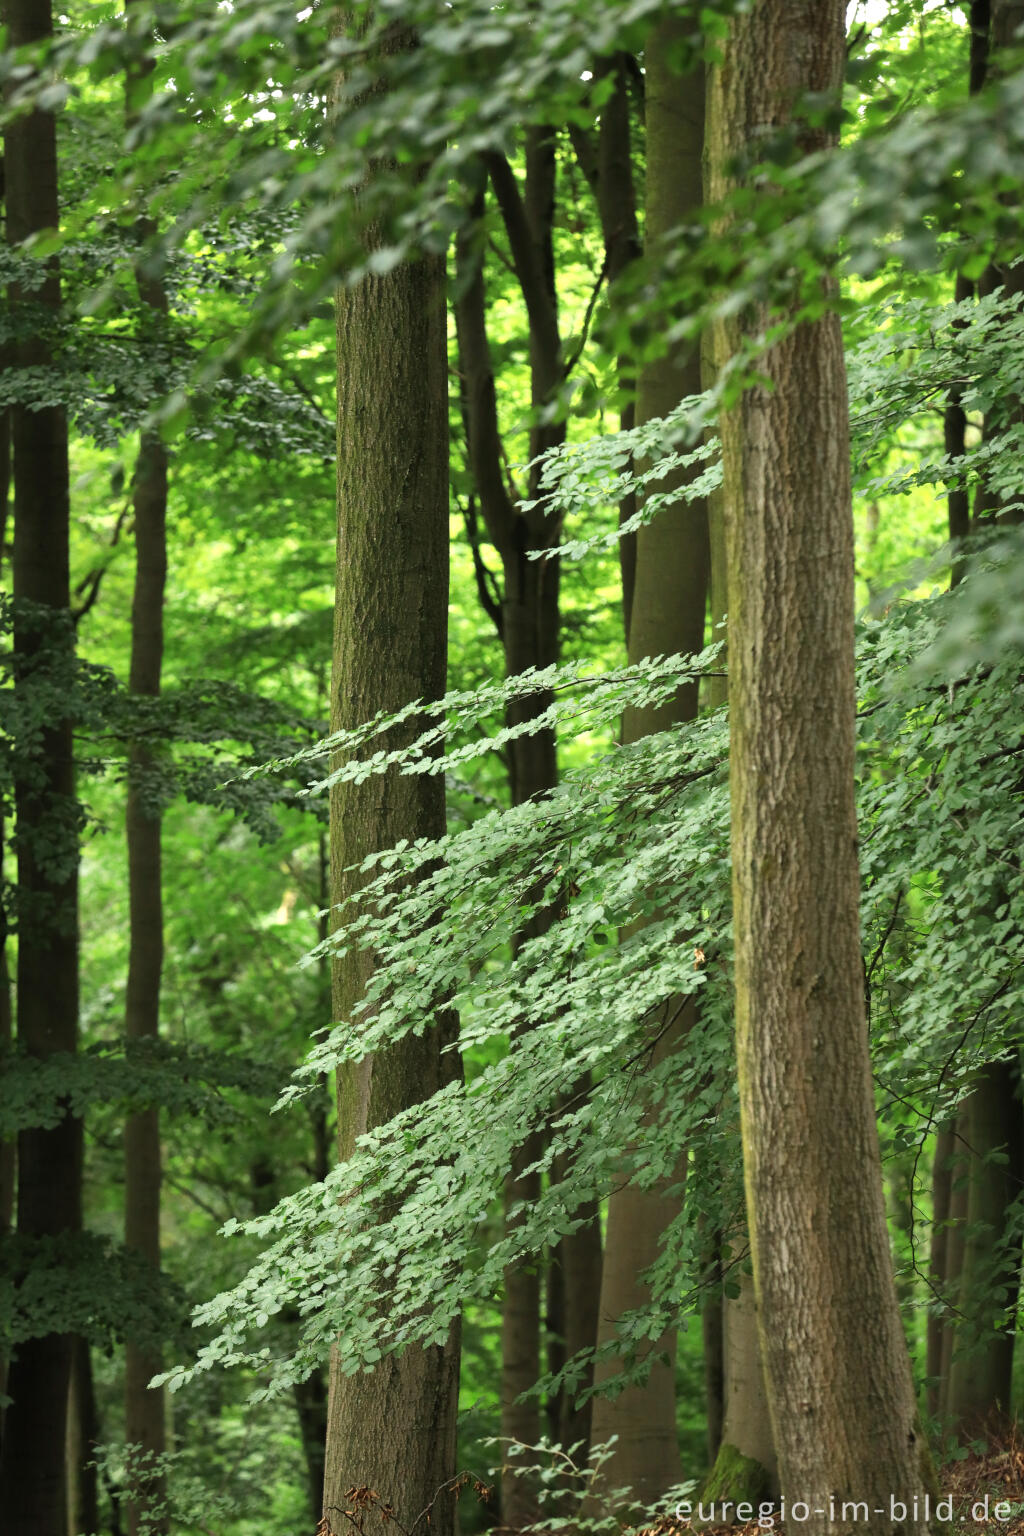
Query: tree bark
(32,1483)
(83,1437)
(982,1360)
(938,1259)
(144,1407)
(745,1468)
(391,1429)
(667,615)
(836,1364)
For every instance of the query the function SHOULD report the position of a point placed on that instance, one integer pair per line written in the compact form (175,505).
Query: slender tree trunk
(711,1326)
(7,1147)
(144,1407)
(982,1361)
(836,1363)
(393,1428)
(745,1468)
(953,1254)
(938,1261)
(667,615)
(529,623)
(82,1439)
(32,1487)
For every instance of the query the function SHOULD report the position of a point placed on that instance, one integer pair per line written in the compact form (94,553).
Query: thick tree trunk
(836,1363)
(667,615)
(982,1359)
(32,1485)
(391,1429)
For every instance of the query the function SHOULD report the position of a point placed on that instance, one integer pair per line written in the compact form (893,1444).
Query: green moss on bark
(737,1479)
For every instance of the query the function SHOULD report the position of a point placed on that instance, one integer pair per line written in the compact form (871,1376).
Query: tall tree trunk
(982,1360)
(938,1262)
(32,1489)
(836,1363)
(745,1468)
(667,615)
(144,1407)
(391,1429)
(953,1255)
(7,1146)
(529,623)
(744,1462)
(83,1437)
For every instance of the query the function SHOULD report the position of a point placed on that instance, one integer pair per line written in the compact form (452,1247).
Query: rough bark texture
(391,1429)
(144,1408)
(982,1359)
(667,615)
(32,1485)
(836,1363)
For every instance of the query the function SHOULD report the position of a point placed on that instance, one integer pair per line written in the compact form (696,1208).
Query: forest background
(176,392)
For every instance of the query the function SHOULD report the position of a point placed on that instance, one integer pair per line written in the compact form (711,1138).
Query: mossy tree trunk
(32,1481)
(391,1429)
(836,1363)
(667,614)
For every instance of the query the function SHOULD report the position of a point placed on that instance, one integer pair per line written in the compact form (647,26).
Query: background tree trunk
(32,1484)
(836,1362)
(981,1366)
(144,1408)
(667,615)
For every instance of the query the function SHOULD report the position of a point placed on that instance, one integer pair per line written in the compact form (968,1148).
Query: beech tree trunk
(391,1429)
(982,1360)
(7,1146)
(942,1180)
(836,1364)
(32,1487)
(667,614)
(83,1437)
(528,620)
(144,1408)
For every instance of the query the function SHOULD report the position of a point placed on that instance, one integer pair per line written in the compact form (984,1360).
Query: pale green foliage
(642,831)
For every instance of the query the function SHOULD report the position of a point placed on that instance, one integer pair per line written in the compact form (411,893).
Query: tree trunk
(953,1254)
(938,1260)
(144,1408)
(982,1361)
(32,1486)
(836,1362)
(667,615)
(391,1429)
(83,1437)
(530,631)
(7,1146)
(745,1469)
